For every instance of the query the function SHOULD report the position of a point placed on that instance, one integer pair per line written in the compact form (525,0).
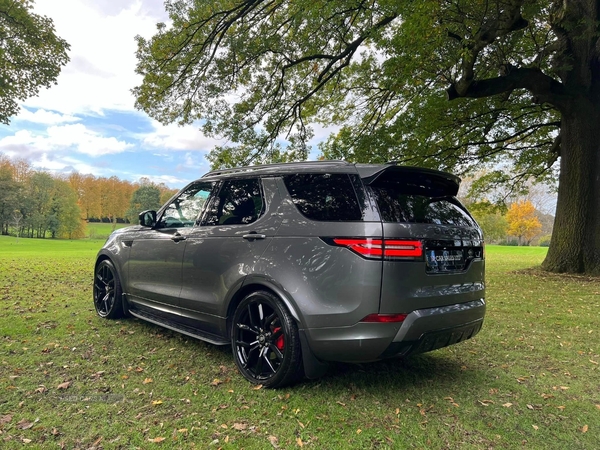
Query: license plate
(445,260)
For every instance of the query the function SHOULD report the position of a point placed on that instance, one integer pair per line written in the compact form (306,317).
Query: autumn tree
(523,222)
(511,85)
(31,54)
(88,194)
(115,196)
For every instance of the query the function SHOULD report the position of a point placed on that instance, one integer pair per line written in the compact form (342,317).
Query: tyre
(108,298)
(265,341)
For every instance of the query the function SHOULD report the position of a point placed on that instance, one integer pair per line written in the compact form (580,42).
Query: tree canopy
(31,54)
(511,85)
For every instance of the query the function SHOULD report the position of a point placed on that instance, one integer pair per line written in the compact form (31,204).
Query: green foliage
(493,224)
(146,197)
(380,71)
(31,54)
(545,240)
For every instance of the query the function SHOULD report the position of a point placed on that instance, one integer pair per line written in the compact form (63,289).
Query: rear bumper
(423,330)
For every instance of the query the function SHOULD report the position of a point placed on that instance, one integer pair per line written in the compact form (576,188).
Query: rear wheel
(108,298)
(265,341)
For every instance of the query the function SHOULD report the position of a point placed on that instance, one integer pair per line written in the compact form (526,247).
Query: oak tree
(511,85)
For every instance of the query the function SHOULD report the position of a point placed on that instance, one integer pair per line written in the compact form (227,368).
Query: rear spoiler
(434,183)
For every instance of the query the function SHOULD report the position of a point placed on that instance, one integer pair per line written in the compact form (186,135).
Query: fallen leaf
(239,426)
(147,380)
(530,407)
(182,430)
(64,385)
(341,404)
(274,441)
(507,405)
(299,442)
(535,427)
(157,440)
(257,387)
(216,382)
(486,402)
(156,402)
(593,362)
(584,429)
(24,424)
(5,419)
(26,441)
(358,431)
(562,408)
(547,396)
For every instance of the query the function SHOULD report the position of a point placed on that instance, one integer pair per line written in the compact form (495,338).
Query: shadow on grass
(414,373)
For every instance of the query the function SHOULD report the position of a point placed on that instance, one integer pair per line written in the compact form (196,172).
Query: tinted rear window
(397,206)
(326,197)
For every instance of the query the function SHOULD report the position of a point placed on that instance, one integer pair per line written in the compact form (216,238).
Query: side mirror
(147,218)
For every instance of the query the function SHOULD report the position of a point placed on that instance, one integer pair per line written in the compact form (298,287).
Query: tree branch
(545,88)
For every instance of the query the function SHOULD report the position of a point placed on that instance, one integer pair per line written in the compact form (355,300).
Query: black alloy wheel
(107,291)
(265,341)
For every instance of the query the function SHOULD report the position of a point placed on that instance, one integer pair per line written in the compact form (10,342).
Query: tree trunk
(575,245)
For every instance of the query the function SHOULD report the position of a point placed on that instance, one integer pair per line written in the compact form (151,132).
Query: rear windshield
(395,205)
(326,197)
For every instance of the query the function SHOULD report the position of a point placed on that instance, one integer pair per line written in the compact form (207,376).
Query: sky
(87,122)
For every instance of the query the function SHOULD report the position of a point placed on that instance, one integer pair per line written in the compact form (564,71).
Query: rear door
(433,247)
(236,229)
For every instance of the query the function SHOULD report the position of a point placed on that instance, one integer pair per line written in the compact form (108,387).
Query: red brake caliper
(279,341)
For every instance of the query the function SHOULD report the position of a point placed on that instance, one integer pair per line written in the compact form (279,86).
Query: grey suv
(295,265)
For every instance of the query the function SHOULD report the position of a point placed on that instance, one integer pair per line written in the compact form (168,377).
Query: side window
(326,197)
(239,203)
(186,208)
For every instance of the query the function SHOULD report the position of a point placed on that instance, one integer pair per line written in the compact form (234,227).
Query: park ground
(530,379)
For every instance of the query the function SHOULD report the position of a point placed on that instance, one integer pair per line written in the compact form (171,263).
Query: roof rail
(270,166)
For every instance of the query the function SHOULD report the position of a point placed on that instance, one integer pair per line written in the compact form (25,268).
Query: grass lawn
(99,230)
(530,379)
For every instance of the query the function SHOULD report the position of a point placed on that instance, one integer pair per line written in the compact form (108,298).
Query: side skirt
(180,328)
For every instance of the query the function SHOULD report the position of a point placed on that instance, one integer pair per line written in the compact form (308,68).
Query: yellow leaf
(157,440)
(257,387)
(507,405)
(299,442)
(584,429)
(535,427)
(147,380)
(216,382)
(358,431)
(182,430)
(156,402)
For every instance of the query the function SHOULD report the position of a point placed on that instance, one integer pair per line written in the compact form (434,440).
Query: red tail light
(384,318)
(382,248)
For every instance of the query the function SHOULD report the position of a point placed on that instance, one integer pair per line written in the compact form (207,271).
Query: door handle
(178,238)
(254,235)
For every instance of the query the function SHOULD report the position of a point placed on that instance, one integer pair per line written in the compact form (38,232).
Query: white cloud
(174,137)
(45,117)
(60,139)
(102,68)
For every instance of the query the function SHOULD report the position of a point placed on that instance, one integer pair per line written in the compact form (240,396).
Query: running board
(180,328)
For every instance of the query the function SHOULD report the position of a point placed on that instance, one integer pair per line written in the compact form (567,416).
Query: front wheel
(265,341)
(108,298)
